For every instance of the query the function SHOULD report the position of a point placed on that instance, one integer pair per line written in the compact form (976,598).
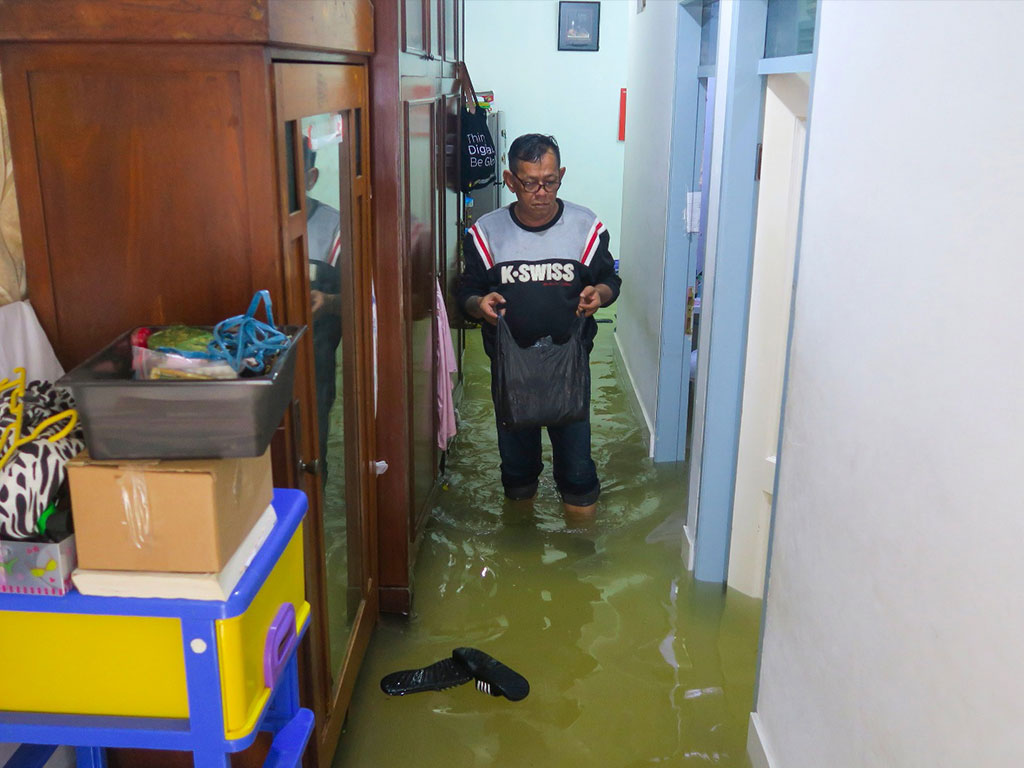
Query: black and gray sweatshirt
(540,271)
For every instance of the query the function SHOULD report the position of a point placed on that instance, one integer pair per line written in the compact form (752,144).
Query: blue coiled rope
(246,343)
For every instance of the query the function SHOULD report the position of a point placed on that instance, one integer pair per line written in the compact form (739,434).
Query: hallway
(630,662)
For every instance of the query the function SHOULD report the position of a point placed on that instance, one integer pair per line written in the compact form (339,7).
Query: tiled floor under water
(630,662)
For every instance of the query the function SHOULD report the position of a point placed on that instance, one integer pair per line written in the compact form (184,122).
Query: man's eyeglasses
(533,186)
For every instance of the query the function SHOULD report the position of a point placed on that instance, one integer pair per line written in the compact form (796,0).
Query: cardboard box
(37,568)
(186,586)
(182,516)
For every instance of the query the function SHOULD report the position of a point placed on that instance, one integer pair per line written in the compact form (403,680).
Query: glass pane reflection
(415,40)
(790,28)
(421,259)
(709,32)
(329,233)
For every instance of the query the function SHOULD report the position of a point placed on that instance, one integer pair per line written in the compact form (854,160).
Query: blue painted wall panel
(674,363)
(741,44)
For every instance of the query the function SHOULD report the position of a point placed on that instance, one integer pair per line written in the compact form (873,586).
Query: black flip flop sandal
(443,674)
(491,675)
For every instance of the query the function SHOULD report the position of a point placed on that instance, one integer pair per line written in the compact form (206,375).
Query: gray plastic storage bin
(126,418)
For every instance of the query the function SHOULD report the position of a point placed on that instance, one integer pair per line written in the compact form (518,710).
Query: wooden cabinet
(158,154)
(416,201)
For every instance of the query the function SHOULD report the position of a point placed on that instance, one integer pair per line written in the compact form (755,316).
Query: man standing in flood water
(540,229)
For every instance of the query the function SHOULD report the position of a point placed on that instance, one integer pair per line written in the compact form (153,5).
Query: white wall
(778,206)
(894,612)
(645,189)
(512,49)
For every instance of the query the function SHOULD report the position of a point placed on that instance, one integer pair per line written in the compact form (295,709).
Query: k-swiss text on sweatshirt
(540,271)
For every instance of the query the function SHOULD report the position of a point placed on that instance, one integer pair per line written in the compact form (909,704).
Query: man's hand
(324,302)
(317,300)
(487,307)
(592,298)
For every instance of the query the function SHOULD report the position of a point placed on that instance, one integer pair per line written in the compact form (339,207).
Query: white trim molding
(622,366)
(780,65)
(690,539)
(758,749)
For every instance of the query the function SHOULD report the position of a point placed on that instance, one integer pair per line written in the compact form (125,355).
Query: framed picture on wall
(579,25)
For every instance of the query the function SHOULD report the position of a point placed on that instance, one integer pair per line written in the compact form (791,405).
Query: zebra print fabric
(31,479)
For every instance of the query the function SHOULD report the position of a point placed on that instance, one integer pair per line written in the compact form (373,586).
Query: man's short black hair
(530,148)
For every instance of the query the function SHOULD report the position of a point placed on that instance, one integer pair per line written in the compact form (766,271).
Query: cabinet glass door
(325,161)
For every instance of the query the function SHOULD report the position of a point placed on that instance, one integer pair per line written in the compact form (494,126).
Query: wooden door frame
(392,68)
(390,271)
(301,90)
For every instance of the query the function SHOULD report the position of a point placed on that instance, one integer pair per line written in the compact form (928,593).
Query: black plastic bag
(478,156)
(545,385)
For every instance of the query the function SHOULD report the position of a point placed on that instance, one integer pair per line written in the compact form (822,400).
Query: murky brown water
(630,662)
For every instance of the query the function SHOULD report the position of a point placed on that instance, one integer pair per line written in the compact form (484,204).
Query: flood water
(630,662)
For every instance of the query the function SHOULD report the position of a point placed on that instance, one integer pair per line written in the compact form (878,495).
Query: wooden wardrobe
(161,177)
(416,96)
(158,157)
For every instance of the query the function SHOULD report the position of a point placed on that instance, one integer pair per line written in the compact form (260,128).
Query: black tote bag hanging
(545,385)
(478,157)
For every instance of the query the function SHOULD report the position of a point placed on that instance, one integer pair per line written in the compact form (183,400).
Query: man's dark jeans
(574,471)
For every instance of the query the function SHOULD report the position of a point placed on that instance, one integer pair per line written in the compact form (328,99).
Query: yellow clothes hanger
(12,433)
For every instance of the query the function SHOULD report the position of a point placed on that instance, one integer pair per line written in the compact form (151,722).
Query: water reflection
(630,662)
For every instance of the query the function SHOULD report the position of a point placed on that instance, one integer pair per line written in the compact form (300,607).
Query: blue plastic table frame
(202,732)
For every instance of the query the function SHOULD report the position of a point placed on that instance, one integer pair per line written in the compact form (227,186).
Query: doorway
(697,388)
(775,241)
(323,154)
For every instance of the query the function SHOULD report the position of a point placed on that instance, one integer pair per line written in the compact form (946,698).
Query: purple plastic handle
(281,641)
